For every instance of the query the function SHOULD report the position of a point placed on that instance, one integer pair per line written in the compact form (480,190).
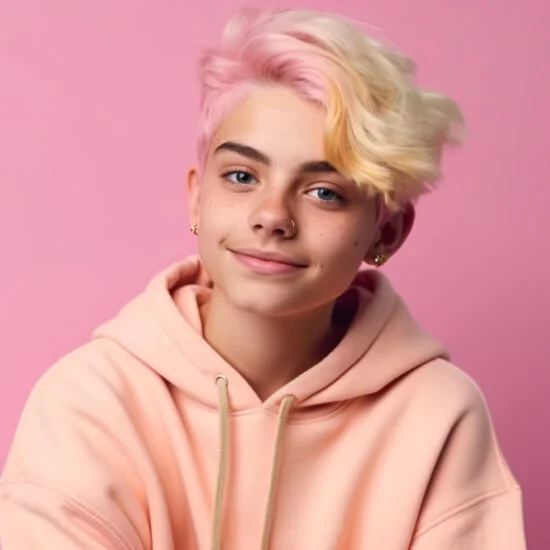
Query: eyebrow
(313,166)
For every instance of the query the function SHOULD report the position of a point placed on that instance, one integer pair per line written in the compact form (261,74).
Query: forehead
(278,122)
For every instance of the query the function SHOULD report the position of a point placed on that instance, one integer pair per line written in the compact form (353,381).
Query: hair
(382,131)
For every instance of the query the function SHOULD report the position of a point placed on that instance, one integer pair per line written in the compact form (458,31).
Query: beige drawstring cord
(268,519)
(221,382)
(223,399)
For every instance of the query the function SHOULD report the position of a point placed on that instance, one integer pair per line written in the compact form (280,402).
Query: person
(274,392)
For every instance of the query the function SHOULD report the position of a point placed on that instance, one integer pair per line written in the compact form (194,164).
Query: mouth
(268,263)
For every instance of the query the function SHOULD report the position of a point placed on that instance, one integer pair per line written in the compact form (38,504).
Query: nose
(272,217)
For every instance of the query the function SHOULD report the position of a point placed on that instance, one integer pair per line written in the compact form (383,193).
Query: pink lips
(267,263)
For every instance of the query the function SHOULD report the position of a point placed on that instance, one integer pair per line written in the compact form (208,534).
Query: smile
(267,263)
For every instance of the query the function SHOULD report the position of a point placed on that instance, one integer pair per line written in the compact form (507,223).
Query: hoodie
(145,438)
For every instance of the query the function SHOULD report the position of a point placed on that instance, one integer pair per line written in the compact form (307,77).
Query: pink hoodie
(145,438)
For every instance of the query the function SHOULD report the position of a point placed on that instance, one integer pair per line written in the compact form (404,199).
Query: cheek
(341,242)
(216,212)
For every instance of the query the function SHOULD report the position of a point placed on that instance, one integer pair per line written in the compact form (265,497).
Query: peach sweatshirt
(145,438)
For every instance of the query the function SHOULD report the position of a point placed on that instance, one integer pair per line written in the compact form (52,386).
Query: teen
(270,393)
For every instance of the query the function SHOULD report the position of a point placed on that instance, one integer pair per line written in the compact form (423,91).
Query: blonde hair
(382,131)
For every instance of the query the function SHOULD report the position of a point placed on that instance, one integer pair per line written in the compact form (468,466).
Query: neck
(268,352)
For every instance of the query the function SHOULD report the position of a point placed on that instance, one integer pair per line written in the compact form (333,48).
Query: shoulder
(458,440)
(80,415)
(73,453)
(97,372)
(454,421)
(449,412)
(443,386)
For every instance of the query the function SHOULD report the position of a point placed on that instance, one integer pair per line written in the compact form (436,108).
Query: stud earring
(379,260)
(195,229)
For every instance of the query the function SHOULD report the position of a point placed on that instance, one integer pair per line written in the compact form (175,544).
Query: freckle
(356,243)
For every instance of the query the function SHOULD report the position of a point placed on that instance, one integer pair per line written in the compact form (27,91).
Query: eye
(239,177)
(326,195)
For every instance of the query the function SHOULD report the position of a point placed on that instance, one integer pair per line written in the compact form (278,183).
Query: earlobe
(392,235)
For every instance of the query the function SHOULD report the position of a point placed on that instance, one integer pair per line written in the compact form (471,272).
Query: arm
(473,501)
(35,516)
(69,482)
(493,521)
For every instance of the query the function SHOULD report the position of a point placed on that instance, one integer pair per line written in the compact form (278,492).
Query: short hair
(382,131)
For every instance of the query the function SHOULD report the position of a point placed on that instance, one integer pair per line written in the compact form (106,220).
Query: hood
(162,328)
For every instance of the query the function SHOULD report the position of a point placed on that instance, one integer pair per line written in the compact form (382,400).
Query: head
(314,145)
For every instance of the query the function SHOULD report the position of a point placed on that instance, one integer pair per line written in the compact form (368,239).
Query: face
(281,232)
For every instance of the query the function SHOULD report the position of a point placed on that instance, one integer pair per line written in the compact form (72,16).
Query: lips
(267,263)
(268,256)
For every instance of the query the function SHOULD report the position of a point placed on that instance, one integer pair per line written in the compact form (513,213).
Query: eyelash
(226,176)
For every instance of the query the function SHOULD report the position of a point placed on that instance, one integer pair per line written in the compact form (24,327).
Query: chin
(273,302)
(262,304)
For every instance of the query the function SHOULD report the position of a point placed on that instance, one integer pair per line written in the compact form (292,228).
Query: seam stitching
(97,516)
(464,508)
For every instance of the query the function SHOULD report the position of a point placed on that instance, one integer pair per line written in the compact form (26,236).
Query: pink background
(98,114)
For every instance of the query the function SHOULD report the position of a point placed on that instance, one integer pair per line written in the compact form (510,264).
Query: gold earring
(379,260)
(195,229)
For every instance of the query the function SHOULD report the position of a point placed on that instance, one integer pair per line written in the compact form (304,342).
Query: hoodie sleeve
(495,521)
(68,482)
(473,501)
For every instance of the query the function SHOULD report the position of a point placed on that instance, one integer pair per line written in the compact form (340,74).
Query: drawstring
(268,519)
(221,383)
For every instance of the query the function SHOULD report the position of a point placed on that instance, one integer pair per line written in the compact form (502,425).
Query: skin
(264,169)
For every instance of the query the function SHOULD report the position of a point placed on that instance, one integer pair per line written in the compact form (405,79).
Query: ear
(193,194)
(393,233)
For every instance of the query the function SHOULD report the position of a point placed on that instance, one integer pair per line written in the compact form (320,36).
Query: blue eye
(326,195)
(239,177)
